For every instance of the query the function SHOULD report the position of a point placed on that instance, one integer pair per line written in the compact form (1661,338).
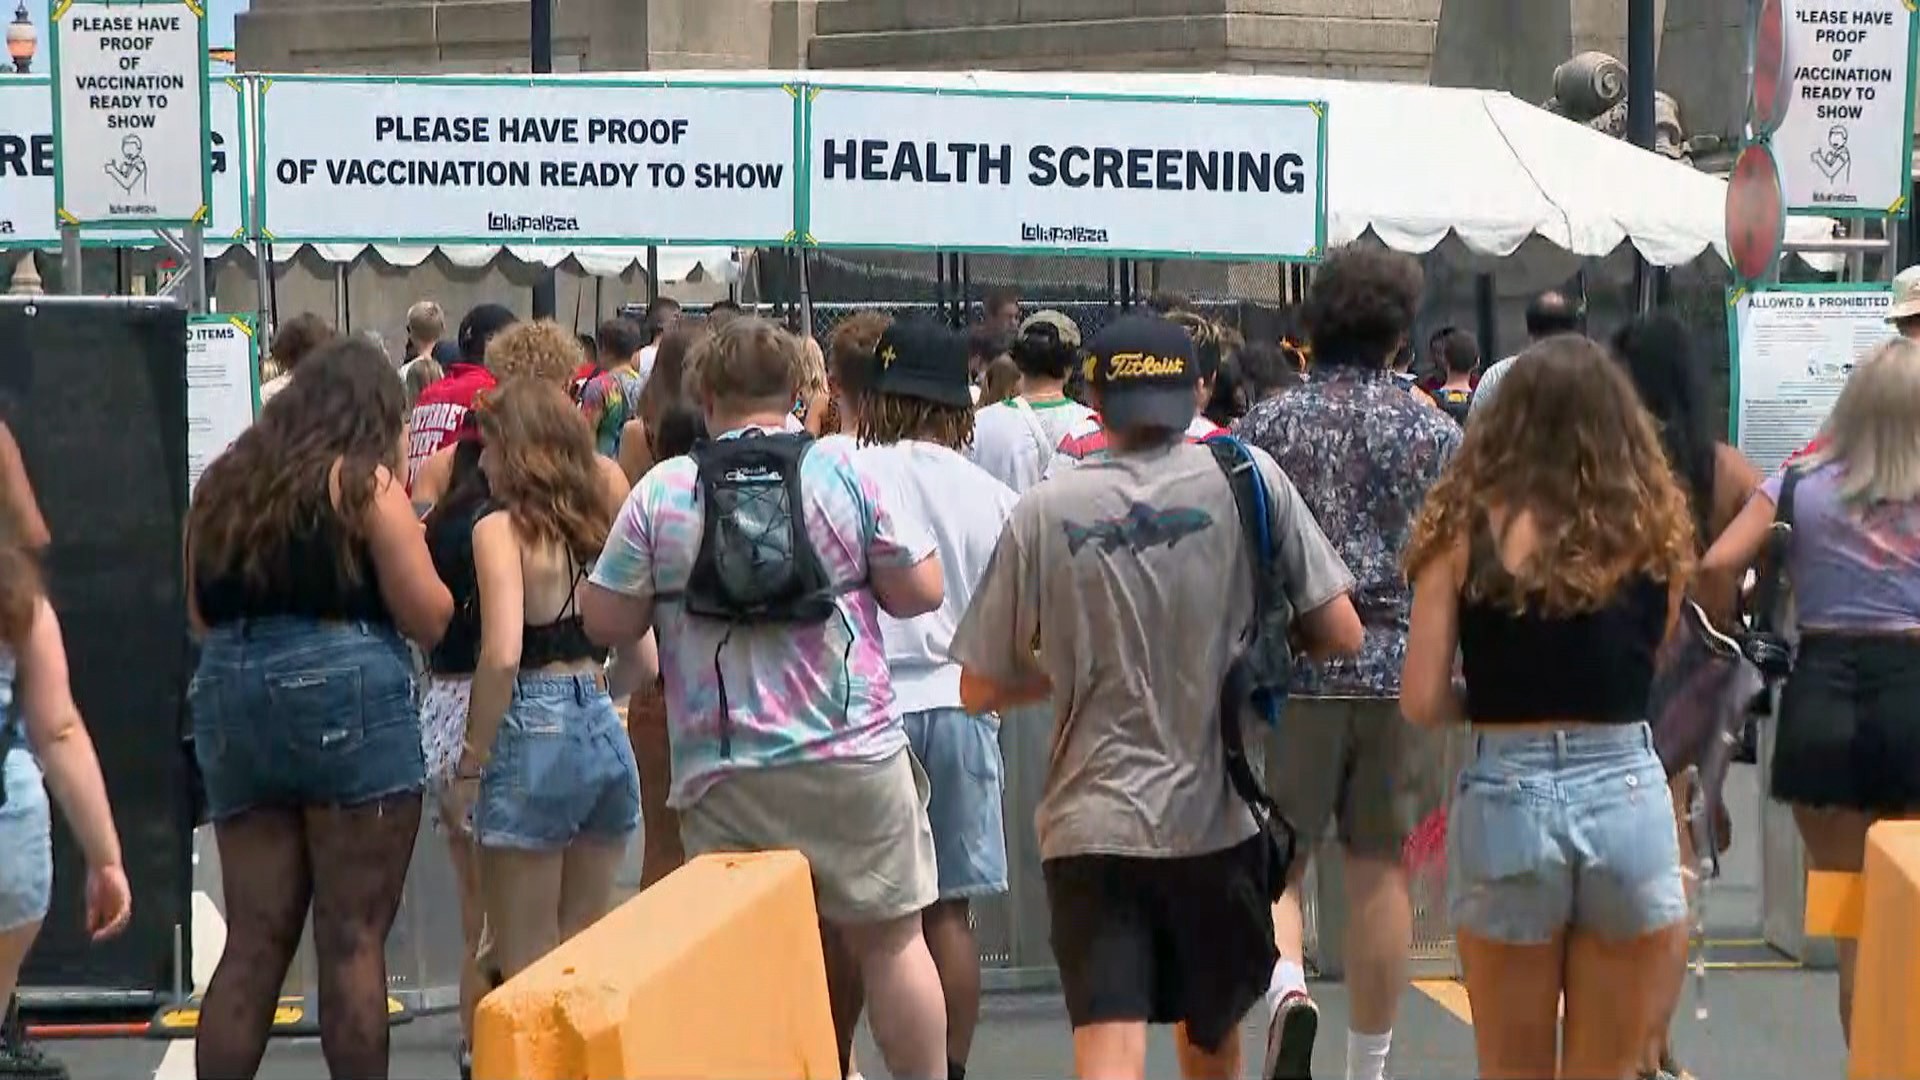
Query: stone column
(1510,45)
(26,277)
(1704,60)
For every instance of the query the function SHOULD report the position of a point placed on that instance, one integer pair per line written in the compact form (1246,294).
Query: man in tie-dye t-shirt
(815,757)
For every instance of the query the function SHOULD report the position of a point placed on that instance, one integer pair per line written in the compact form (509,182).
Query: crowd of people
(821,580)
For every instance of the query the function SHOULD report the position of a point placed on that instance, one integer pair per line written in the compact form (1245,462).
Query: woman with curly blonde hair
(1552,555)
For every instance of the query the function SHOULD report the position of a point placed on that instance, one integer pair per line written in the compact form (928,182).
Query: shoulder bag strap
(1034,427)
(1773,579)
(1249,498)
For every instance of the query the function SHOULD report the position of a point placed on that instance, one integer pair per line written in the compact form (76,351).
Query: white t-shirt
(1004,443)
(644,365)
(965,509)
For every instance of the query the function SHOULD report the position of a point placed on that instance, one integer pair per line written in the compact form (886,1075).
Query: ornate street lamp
(22,40)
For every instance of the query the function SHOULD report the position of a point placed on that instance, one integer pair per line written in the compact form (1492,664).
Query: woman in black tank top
(306,573)
(1549,556)
(545,766)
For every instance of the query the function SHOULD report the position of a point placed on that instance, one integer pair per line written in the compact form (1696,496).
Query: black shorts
(1849,734)
(1166,941)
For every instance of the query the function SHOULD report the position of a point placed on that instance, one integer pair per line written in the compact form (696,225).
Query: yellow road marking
(1449,995)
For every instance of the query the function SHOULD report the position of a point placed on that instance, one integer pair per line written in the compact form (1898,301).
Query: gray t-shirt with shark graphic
(1128,577)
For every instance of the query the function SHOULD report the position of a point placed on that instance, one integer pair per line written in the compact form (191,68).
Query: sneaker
(1290,1038)
(464,1055)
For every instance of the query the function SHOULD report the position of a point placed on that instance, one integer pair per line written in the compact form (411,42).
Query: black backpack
(756,563)
(1260,674)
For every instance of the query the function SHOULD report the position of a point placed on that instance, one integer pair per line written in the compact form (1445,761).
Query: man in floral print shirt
(1362,452)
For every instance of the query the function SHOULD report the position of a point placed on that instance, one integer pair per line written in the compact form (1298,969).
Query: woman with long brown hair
(1551,556)
(545,767)
(306,570)
(664,393)
(453,488)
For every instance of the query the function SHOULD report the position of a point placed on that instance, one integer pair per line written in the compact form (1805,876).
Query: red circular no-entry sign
(1772,87)
(1756,214)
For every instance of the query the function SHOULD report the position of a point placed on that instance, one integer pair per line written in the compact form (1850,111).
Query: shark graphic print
(1140,528)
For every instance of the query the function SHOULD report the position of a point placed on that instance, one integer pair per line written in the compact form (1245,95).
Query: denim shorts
(961,754)
(291,712)
(1568,829)
(26,843)
(561,769)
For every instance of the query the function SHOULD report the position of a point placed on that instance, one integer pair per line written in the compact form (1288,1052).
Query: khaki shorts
(862,825)
(1356,762)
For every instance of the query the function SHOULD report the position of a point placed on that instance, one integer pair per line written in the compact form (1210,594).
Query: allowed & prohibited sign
(130,122)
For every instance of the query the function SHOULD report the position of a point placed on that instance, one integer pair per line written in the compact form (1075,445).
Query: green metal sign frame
(1900,207)
(262,160)
(65,219)
(1320,176)
(92,237)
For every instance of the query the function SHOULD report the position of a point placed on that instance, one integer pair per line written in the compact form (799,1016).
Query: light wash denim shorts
(26,843)
(561,769)
(961,755)
(1558,830)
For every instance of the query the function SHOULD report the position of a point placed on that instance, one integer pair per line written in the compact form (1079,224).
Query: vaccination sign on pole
(474,160)
(130,114)
(26,166)
(1793,348)
(1846,142)
(948,170)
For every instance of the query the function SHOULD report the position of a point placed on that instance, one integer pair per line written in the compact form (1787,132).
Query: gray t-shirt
(1128,577)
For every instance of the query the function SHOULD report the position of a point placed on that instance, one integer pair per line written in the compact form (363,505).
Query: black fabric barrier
(96,396)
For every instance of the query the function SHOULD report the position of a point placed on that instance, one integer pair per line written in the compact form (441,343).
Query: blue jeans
(961,756)
(26,843)
(1566,829)
(561,768)
(292,712)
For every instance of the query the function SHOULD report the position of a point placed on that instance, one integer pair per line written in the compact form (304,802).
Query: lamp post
(22,40)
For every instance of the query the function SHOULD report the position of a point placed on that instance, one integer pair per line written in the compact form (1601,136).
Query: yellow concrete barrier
(1880,907)
(714,973)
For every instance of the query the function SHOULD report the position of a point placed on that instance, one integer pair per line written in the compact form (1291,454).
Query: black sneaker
(464,1054)
(1290,1038)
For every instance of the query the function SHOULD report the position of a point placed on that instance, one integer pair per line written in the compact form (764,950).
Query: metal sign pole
(70,261)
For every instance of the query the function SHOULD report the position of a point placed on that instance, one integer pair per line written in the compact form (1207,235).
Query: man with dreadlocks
(1212,343)
(913,414)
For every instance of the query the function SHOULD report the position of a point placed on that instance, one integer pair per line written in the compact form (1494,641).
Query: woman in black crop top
(306,572)
(1550,556)
(545,767)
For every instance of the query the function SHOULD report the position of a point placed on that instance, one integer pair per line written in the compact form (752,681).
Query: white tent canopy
(675,263)
(1413,164)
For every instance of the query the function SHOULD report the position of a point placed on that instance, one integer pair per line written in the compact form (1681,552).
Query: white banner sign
(223,388)
(1845,144)
(1012,172)
(1793,350)
(26,168)
(471,160)
(130,113)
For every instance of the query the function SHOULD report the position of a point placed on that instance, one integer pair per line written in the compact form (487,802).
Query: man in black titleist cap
(1155,875)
